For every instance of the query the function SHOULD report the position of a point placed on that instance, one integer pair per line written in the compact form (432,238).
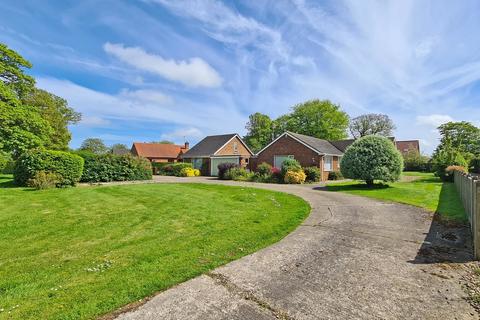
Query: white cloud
(150,96)
(194,72)
(183,133)
(94,121)
(434,120)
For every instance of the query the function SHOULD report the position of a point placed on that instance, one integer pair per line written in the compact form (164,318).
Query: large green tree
(259,131)
(318,118)
(461,136)
(12,73)
(94,145)
(59,115)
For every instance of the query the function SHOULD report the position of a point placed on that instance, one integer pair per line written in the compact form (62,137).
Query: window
(235,147)
(197,163)
(278,160)
(327,166)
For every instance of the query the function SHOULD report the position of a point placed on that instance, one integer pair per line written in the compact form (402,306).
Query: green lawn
(82,252)
(427,192)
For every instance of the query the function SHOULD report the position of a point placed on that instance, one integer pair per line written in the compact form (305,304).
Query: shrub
(295,177)
(450,172)
(264,169)
(414,161)
(4,159)
(172,168)
(238,174)
(43,180)
(475,165)
(67,166)
(290,165)
(335,175)
(313,174)
(276,175)
(187,172)
(445,158)
(223,168)
(372,158)
(196,172)
(112,167)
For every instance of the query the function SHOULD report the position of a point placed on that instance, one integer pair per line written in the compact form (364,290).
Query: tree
(21,126)
(58,114)
(119,148)
(372,158)
(94,145)
(372,123)
(12,74)
(318,118)
(280,125)
(414,161)
(461,136)
(163,142)
(259,131)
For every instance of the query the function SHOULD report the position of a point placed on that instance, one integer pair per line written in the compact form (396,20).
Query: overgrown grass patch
(78,253)
(427,191)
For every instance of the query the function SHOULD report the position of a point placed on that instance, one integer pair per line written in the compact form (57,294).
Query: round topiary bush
(372,158)
(67,166)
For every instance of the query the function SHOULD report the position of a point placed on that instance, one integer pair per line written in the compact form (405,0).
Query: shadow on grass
(6,181)
(449,237)
(357,186)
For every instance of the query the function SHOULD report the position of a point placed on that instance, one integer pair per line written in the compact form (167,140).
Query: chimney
(187,145)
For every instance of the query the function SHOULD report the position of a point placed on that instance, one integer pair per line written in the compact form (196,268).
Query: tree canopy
(260,131)
(317,118)
(94,145)
(371,123)
(29,117)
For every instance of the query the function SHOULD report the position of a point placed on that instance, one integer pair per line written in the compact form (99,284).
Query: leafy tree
(318,118)
(119,148)
(281,124)
(58,114)
(372,158)
(372,123)
(21,126)
(445,156)
(163,142)
(414,161)
(462,136)
(260,131)
(94,145)
(12,74)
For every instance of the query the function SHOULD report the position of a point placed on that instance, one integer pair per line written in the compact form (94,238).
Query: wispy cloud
(194,72)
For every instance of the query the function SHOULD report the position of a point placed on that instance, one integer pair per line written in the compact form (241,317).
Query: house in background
(213,150)
(407,146)
(309,151)
(159,152)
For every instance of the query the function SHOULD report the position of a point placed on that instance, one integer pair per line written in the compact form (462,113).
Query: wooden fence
(468,187)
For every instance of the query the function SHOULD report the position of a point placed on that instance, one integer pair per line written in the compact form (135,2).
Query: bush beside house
(66,166)
(372,158)
(111,167)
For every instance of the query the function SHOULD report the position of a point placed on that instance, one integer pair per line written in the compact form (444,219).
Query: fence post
(476,216)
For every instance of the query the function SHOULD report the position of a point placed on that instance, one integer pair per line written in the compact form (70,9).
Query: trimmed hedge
(313,174)
(67,166)
(171,168)
(112,167)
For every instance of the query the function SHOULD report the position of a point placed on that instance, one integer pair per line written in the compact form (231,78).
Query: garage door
(216,161)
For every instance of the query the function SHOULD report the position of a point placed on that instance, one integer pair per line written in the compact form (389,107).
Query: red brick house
(309,151)
(407,146)
(159,152)
(213,150)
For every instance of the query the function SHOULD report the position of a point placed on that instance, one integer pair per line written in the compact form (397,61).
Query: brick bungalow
(159,152)
(309,151)
(407,146)
(213,150)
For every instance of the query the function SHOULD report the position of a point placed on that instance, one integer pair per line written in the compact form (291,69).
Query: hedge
(112,167)
(171,168)
(67,166)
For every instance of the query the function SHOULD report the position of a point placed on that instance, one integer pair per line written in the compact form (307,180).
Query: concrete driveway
(352,258)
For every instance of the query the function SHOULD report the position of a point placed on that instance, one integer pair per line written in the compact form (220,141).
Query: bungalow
(159,152)
(407,146)
(309,151)
(213,150)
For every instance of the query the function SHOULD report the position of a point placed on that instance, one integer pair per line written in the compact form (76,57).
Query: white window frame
(235,147)
(282,155)
(330,163)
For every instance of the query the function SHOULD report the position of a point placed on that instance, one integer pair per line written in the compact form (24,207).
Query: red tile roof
(157,150)
(408,145)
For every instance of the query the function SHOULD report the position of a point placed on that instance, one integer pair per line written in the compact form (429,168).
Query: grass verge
(79,253)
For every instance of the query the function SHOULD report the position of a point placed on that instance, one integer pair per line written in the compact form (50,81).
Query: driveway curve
(352,258)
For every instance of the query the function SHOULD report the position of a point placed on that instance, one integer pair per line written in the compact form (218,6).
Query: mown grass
(82,252)
(427,191)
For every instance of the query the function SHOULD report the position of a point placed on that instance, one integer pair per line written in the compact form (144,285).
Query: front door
(216,161)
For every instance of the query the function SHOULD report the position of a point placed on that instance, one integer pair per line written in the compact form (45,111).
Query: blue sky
(159,69)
